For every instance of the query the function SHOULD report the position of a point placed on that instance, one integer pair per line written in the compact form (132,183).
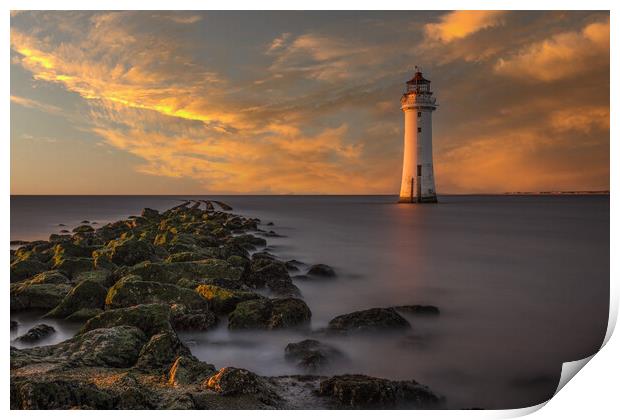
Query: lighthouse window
(419,114)
(419,129)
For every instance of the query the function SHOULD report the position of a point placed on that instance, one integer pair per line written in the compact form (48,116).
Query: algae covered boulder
(37,296)
(72,266)
(23,269)
(161,350)
(126,251)
(369,320)
(36,333)
(321,270)
(222,300)
(183,318)
(361,391)
(231,381)
(131,290)
(270,314)
(189,370)
(87,294)
(150,318)
(48,277)
(312,355)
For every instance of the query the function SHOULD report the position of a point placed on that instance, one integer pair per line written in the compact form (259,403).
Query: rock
(83,314)
(14,325)
(131,290)
(126,251)
(418,309)
(224,301)
(270,314)
(361,391)
(60,238)
(185,319)
(83,229)
(37,333)
(72,266)
(369,320)
(321,270)
(161,350)
(189,370)
(230,381)
(88,294)
(150,318)
(64,231)
(312,355)
(49,277)
(23,269)
(273,275)
(69,249)
(84,222)
(148,213)
(37,296)
(103,277)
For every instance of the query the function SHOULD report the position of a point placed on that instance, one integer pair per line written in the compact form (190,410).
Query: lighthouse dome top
(418,83)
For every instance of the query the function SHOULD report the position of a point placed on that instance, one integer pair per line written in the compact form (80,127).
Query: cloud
(31,103)
(462,23)
(560,56)
(584,119)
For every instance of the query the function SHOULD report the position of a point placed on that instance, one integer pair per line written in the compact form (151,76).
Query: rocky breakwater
(133,284)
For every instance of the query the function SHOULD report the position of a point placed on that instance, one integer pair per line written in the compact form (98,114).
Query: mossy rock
(37,296)
(49,277)
(150,318)
(72,266)
(88,294)
(188,370)
(126,251)
(369,320)
(83,314)
(188,256)
(150,271)
(103,277)
(23,269)
(130,291)
(83,229)
(224,301)
(270,314)
(69,249)
(161,350)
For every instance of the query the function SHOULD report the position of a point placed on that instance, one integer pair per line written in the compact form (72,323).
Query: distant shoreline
(602,192)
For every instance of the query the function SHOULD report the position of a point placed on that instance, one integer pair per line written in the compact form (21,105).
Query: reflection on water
(522,284)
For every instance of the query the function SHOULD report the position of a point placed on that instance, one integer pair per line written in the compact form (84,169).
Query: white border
(592,395)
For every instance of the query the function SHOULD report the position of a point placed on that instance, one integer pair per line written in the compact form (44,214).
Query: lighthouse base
(415,200)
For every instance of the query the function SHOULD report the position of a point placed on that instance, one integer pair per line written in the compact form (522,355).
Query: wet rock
(321,270)
(312,355)
(88,294)
(222,300)
(83,314)
(126,251)
(64,231)
(49,277)
(69,249)
(150,318)
(161,351)
(37,296)
(84,222)
(273,275)
(270,314)
(23,269)
(37,333)
(185,319)
(148,213)
(131,290)
(418,309)
(71,266)
(361,391)
(189,370)
(60,238)
(230,381)
(103,277)
(247,241)
(370,320)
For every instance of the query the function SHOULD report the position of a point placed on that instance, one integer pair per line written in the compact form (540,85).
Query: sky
(163,102)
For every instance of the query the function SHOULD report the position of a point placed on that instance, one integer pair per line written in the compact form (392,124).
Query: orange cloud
(462,23)
(561,56)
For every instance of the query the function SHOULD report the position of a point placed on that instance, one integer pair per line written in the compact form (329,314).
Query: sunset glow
(304,102)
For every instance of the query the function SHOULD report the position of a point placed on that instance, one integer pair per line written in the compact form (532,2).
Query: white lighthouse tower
(418,104)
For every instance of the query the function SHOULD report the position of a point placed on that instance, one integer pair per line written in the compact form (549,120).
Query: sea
(522,283)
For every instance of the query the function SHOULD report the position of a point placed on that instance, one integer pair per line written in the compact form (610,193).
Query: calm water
(522,283)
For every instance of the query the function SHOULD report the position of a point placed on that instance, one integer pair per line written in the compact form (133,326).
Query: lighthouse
(418,104)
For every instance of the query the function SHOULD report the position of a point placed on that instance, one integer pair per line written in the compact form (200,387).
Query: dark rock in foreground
(37,333)
(361,391)
(312,355)
(369,320)
(270,314)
